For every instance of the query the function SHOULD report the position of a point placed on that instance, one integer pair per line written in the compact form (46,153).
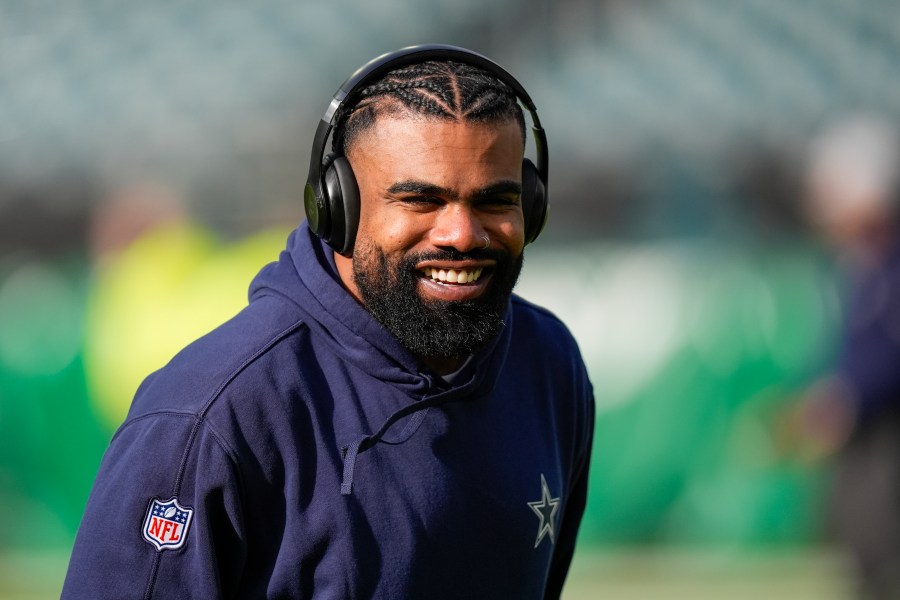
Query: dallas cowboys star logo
(546,509)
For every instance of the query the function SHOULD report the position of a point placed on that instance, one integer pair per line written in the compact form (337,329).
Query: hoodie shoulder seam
(159,413)
(273,341)
(201,415)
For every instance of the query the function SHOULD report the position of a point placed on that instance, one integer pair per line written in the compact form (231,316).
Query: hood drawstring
(351,452)
(363,443)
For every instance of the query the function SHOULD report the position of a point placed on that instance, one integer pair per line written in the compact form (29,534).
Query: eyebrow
(412,186)
(501,188)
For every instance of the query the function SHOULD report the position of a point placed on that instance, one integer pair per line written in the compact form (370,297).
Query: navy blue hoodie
(298,451)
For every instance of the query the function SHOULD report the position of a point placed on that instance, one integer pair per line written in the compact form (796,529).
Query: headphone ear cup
(534,201)
(316,209)
(343,202)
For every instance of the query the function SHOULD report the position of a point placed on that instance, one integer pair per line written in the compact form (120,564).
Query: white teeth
(453,275)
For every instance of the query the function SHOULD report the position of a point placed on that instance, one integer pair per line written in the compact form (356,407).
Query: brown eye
(499,202)
(422,200)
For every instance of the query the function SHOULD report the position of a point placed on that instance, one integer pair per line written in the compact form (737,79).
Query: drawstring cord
(352,451)
(420,408)
(363,443)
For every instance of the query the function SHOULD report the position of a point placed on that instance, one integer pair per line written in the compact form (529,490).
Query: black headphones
(331,195)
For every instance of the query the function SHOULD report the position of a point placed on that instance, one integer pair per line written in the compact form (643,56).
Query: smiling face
(431,190)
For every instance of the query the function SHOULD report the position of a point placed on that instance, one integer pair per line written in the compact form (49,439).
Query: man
(384,421)
(853,199)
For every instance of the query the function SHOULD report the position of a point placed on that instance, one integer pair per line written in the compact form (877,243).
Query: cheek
(378,223)
(511,233)
(392,229)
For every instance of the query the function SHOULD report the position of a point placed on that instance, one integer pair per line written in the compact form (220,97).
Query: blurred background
(152,158)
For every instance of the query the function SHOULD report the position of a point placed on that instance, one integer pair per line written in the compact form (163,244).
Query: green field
(633,574)
(708,574)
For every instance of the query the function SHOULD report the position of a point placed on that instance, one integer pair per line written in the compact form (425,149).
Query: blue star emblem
(546,509)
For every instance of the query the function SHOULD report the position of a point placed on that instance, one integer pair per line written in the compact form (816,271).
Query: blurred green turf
(618,574)
(709,573)
(32,575)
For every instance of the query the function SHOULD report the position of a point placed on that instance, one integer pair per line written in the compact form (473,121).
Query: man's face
(431,190)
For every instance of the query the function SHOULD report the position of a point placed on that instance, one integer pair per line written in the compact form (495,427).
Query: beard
(433,328)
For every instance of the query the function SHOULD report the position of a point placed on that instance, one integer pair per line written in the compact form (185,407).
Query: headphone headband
(390,61)
(315,196)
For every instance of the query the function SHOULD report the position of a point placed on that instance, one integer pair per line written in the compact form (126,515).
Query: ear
(534,201)
(343,198)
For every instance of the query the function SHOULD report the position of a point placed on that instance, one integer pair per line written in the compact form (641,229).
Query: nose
(458,227)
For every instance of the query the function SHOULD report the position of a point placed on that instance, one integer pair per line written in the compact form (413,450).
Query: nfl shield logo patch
(166,524)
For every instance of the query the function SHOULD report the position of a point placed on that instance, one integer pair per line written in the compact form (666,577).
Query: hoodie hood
(305,276)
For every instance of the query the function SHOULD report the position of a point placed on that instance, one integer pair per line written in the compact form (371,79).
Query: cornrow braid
(442,89)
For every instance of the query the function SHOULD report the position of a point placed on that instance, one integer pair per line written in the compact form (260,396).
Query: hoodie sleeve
(164,516)
(870,350)
(583,436)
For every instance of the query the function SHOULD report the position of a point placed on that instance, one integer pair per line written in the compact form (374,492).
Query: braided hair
(441,89)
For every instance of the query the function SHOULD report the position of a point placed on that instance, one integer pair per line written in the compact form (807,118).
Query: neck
(345,273)
(442,366)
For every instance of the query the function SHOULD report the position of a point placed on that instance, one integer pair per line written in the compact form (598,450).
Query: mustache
(500,256)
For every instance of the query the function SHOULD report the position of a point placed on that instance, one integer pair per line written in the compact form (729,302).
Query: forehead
(412,145)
